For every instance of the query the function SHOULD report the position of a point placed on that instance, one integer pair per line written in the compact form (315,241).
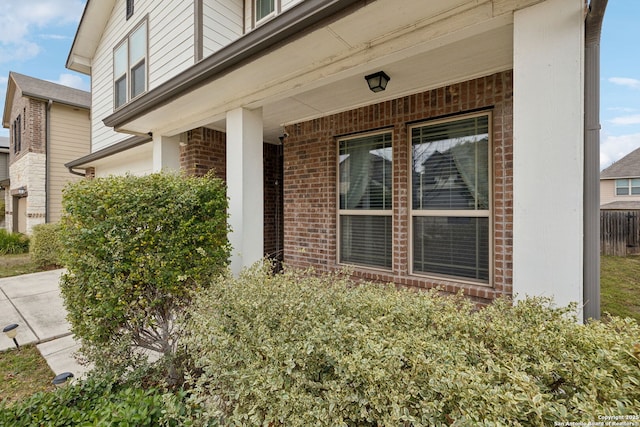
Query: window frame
(364,212)
(17,134)
(129,71)
(628,187)
(254,6)
(456,213)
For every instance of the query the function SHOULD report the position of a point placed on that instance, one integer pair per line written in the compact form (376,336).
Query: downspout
(591,268)
(47,173)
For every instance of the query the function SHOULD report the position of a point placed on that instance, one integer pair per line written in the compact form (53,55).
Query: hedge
(136,250)
(45,246)
(297,349)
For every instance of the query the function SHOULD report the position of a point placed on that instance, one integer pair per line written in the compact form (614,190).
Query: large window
(626,187)
(365,205)
(130,66)
(451,198)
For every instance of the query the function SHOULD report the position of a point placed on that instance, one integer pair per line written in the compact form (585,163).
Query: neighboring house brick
(48,126)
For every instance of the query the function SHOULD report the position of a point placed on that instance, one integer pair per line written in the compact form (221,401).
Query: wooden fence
(619,232)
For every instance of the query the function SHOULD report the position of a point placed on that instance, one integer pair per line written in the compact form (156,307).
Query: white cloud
(72,80)
(20,18)
(613,148)
(626,81)
(626,120)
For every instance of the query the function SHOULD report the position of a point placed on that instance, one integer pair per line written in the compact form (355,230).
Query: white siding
(170,47)
(69,141)
(221,24)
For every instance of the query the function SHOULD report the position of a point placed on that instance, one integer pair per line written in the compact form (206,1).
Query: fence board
(619,232)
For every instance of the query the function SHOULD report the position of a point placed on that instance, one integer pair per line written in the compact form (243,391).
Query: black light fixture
(61,379)
(377,81)
(11,331)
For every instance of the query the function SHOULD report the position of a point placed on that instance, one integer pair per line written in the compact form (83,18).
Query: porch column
(166,153)
(245,186)
(548,151)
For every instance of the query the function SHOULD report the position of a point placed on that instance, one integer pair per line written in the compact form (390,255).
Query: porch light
(377,81)
(21,191)
(62,379)
(11,331)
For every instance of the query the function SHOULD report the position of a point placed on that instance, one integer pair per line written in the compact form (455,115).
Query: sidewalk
(33,301)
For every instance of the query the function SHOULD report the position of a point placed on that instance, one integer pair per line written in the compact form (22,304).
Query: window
(130,66)
(630,186)
(129,9)
(451,198)
(365,200)
(264,9)
(17,134)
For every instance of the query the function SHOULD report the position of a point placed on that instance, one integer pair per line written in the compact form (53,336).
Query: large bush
(13,243)
(45,246)
(300,350)
(136,250)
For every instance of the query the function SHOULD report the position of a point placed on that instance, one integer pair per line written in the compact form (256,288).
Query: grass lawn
(14,265)
(22,373)
(620,286)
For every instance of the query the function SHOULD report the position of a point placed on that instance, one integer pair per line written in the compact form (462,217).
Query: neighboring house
(620,184)
(272,95)
(49,126)
(4,175)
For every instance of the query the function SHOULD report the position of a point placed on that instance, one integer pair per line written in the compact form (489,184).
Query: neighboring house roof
(45,90)
(621,206)
(626,167)
(4,142)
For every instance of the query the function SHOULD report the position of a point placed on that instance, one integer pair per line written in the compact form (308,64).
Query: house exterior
(49,126)
(441,179)
(620,184)
(4,173)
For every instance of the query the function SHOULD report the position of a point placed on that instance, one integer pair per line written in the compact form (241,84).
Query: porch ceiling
(323,71)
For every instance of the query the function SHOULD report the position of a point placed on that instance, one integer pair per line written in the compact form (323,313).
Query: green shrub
(136,249)
(94,402)
(45,246)
(299,350)
(13,243)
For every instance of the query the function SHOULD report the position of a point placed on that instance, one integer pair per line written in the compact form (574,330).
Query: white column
(245,187)
(166,153)
(548,150)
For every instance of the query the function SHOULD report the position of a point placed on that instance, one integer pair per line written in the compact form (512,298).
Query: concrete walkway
(33,301)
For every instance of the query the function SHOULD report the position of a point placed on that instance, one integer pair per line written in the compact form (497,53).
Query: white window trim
(629,187)
(360,212)
(487,213)
(257,22)
(130,67)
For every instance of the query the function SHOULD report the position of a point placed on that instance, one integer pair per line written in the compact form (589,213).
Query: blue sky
(36,35)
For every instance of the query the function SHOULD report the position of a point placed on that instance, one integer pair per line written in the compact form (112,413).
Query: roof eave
(294,22)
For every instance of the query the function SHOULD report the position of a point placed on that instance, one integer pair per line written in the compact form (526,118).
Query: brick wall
(310,178)
(205,149)
(33,130)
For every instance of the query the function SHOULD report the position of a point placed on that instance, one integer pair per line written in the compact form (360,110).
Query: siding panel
(69,141)
(222,24)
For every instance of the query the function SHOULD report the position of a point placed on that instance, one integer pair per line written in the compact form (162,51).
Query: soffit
(92,24)
(322,72)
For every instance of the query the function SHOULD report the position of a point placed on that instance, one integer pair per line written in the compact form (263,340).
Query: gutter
(47,173)
(106,152)
(591,196)
(293,23)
